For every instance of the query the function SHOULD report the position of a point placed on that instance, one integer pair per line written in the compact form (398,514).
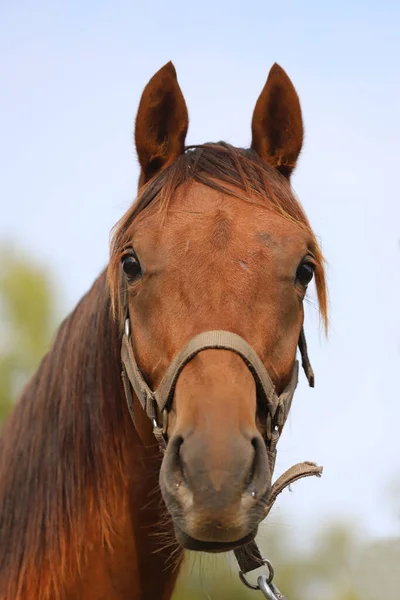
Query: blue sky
(71,76)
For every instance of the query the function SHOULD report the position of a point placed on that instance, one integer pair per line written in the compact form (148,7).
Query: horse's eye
(131,266)
(305,273)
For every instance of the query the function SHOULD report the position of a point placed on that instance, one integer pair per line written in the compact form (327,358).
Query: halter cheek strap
(158,402)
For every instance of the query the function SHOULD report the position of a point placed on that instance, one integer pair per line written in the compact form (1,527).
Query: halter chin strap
(158,402)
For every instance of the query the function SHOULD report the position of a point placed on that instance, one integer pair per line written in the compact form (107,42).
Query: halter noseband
(158,402)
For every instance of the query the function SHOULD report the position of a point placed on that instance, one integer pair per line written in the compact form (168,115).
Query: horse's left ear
(161,123)
(277,125)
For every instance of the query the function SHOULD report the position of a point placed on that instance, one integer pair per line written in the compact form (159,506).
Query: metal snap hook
(268,589)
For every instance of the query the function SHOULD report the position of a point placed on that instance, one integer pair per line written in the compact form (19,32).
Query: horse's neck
(75,478)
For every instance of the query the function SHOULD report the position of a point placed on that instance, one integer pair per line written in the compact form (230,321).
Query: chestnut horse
(215,241)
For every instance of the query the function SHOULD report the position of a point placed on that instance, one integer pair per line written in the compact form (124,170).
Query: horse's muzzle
(216,495)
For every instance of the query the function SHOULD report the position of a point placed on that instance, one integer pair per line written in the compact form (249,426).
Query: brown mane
(230,170)
(61,460)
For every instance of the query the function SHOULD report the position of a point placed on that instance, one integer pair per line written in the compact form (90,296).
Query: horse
(216,249)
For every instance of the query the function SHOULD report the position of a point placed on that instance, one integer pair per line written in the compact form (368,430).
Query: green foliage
(26,323)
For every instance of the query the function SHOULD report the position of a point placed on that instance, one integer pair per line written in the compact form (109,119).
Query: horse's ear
(161,123)
(277,125)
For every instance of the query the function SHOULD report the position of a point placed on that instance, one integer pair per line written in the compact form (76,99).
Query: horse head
(217,241)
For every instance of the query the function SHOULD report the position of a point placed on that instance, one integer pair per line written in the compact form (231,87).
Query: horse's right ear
(161,123)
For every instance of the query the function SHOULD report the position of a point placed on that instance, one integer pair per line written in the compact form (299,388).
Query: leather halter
(158,402)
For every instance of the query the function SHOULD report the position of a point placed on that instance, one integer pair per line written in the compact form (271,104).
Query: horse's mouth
(189,543)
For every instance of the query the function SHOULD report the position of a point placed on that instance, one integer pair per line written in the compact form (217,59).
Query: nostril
(250,476)
(254,442)
(177,443)
(172,463)
(259,476)
(180,463)
(176,449)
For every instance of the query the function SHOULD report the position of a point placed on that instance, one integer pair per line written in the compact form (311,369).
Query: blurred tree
(320,573)
(27,319)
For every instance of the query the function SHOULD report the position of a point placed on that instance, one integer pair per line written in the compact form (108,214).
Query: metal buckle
(164,426)
(127,327)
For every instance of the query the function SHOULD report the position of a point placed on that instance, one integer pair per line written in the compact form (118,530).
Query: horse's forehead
(205,224)
(199,211)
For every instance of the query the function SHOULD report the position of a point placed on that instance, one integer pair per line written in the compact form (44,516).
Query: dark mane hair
(61,464)
(230,170)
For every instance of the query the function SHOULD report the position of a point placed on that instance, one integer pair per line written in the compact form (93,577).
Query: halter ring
(164,425)
(269,578)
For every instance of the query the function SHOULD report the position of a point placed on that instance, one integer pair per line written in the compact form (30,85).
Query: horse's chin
(189,543)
